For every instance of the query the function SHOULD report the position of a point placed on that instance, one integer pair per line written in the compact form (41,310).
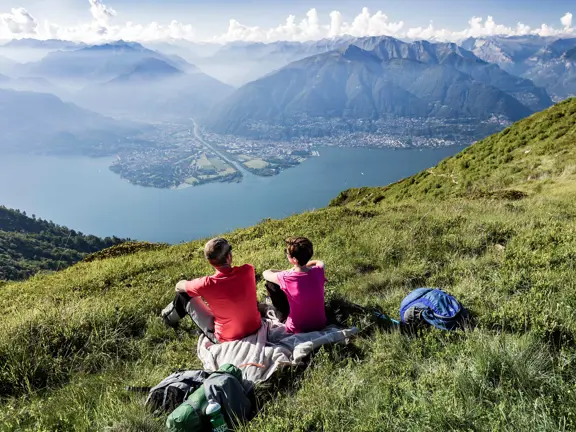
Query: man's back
(231,295)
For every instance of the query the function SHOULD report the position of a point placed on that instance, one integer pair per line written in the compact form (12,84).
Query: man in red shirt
(232,311)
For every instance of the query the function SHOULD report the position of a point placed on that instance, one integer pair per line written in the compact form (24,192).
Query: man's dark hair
(300,248)
(217,250)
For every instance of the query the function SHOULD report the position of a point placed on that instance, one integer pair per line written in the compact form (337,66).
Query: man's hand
(181,286)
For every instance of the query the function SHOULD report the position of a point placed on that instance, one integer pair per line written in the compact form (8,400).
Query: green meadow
(494,225)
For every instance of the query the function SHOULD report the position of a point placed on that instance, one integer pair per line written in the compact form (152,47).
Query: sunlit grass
(70,342)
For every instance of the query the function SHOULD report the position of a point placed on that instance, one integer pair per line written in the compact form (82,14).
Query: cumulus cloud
(100,12)
(566,20)
(308,28)
(104,26)
(477,27)
(377,24)
(336,22)
(18,22)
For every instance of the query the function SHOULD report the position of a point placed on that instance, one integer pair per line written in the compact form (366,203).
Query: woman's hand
(270,276)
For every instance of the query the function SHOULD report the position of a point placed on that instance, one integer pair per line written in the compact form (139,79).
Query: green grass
(219,164)
(509,256)
(256,164)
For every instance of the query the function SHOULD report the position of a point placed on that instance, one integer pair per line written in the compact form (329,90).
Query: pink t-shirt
(305,292)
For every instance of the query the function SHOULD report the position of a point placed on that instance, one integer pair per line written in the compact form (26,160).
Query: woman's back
(305,293)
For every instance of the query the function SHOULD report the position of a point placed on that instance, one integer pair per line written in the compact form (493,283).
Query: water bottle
(214,412)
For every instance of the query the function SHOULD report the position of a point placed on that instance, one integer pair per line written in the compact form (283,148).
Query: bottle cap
(212,407)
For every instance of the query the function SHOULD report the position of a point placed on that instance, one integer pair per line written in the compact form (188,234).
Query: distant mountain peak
(154,68)
(42,43)
(355,53)
(570,54)
(117,45)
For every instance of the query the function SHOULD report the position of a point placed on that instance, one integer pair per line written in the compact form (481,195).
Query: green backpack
(224,385)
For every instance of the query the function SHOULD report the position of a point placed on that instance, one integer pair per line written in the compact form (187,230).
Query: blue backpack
(433,306)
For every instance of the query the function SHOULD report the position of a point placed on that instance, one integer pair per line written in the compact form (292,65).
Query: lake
(83,194)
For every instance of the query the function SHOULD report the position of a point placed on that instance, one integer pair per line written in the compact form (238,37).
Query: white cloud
(104,25)
(308,29)
(102,28)
(566,20)
(377,24)
(477,27)
(18,22)
(372,25)
(336,21)
(100,12)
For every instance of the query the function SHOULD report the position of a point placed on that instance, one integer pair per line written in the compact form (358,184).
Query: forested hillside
(494,225)
(29,245)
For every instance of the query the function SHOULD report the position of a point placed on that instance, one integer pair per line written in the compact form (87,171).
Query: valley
(168,124)
(181,155)
(178,158)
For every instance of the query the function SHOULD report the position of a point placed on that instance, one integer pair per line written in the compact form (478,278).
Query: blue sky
(210,18)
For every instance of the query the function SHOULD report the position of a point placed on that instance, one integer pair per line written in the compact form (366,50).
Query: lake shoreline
(83,194)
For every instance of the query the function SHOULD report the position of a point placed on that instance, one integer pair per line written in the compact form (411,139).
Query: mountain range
(548,61)
(373,78)
(155,88)
(120,78)
(48,44)
(34,84)
(96,63)
(254,60)
(310,89)
(42,123)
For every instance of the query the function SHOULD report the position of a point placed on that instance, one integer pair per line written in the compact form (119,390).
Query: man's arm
(316,263)
(270,276)
(181,286)
(192,288)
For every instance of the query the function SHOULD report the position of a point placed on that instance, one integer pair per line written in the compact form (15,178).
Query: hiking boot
(170,316)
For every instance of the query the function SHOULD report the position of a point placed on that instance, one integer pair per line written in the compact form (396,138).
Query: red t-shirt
(231,295)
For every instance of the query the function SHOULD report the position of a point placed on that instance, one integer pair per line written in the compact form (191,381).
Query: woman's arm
(316,263)
(270,276)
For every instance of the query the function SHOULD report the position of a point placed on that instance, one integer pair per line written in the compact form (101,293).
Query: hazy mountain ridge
(51,44)
(368,90)
(547,61)
(155,89)
(96,62)
(42,123)
(443,80)
(122,78)
(254,60)
(34,84)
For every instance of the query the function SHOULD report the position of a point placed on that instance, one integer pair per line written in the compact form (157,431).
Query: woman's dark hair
(300,248)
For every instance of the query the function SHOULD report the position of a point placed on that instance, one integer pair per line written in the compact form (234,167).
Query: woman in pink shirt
(298,294)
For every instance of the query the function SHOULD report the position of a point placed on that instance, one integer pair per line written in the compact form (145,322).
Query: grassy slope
(94,327)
